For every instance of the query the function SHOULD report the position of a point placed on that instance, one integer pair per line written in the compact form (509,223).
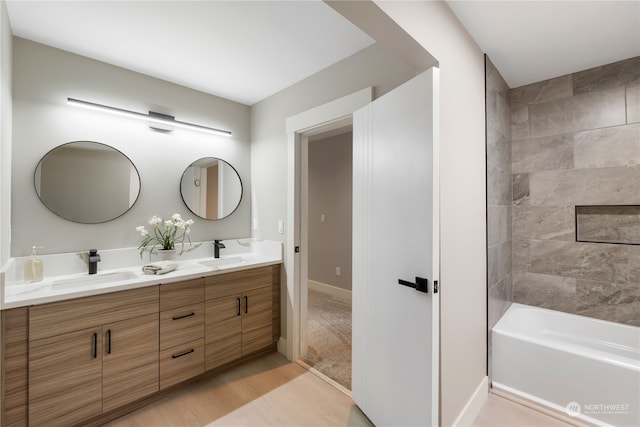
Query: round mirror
(87,182)
(211,188)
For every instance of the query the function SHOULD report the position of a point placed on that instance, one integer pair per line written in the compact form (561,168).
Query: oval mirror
(87,182)
(211,188)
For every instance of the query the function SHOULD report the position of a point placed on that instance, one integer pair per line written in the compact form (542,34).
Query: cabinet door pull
(184,315)
(109,341)
(246,304)
(95,345)
(238,312)
(184,353)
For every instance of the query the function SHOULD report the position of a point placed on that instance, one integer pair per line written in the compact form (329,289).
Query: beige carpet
(329,337)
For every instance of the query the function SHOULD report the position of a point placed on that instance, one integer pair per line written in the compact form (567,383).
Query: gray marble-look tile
(494,80)
(540,290)
(601,186)
(521,257)
(536,154)
(499,262)
(498,301)
(613,146)
(544,91)
(609,301)
(612,224)
(607,76)
(498,224)
(498,186)
(520,190)
(588,261)
(498,151)
(519,122)
(633,104)
(581,112)
(543,223)
(634,264)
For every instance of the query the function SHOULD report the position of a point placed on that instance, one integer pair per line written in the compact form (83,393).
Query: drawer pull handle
(109,341)
(246,304)
(95,345)
(238,312)
(184,353)
(183,316)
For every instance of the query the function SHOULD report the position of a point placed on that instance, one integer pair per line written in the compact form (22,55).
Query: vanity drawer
(58,318)
(179,294)
(181,325)
(222,285)
(181,362)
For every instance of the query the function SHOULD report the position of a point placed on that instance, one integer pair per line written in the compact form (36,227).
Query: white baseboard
(467,416)
(282,346)
(334,291)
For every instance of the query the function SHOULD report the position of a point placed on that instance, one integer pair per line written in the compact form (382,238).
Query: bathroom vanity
(74,359)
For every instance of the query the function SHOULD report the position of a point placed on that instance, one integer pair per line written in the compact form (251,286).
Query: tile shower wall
(498,195)
(576,141)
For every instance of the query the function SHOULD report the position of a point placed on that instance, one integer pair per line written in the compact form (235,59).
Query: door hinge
(435,286)
(297,249)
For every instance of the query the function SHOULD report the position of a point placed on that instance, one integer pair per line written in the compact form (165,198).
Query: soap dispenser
(33,267)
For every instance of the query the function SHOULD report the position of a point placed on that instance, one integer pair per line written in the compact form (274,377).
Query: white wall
(463,196)
(373,66)
(5,134)
(43,79)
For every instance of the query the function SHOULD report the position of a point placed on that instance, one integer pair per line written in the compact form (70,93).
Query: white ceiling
(240,50)
(248,50)
(530,41)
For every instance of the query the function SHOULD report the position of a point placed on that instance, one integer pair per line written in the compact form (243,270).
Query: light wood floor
(501,412)
(272,391)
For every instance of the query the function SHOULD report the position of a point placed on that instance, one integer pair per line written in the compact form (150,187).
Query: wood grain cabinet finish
(239,315)
(181,331)
(14,353)
(78,372)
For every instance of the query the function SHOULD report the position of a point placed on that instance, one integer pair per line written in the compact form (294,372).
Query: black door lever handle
(421,284)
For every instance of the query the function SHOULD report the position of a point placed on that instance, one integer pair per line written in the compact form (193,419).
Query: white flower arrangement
(165,234)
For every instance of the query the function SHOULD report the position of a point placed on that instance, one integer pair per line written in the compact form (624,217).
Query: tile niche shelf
(613,224)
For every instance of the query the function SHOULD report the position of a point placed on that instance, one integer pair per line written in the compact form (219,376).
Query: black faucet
(217,245)
(94,259)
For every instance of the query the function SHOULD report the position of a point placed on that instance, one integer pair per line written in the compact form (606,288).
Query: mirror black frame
(182,177)
(101,221)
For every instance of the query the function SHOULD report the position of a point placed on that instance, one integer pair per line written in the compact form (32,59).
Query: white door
(395,238)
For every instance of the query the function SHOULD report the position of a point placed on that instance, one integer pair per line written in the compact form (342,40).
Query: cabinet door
(130,367)
(223,329)
(65,378)
(257,319)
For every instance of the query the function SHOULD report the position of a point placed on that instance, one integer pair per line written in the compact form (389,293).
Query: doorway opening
(327,226)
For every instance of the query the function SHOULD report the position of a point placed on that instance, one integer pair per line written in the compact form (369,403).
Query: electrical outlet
(338,272)
(281,227)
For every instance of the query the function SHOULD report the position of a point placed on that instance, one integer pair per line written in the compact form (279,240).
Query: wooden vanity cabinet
(14,342)
(181,331)
(239,315)
(90,355)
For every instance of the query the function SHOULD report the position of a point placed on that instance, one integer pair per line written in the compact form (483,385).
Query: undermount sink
(94,279)
(221,263)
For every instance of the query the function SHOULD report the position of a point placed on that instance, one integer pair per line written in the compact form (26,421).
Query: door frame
(331,115)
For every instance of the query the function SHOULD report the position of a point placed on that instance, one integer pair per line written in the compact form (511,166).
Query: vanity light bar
(152,117)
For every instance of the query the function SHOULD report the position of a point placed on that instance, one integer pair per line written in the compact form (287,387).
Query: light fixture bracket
(162,122)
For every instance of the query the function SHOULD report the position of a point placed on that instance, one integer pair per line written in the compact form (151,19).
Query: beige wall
(43,79)
(5,133)
(330,194)
(463,196)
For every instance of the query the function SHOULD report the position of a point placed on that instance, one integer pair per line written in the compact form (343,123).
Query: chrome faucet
(94,259)
(217,245)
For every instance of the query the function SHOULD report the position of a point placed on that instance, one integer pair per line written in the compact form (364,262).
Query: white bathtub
(583,367)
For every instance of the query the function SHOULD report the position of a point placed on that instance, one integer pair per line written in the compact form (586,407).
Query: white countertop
(17,293)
